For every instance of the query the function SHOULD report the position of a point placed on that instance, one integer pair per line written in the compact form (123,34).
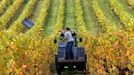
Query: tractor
(79,57)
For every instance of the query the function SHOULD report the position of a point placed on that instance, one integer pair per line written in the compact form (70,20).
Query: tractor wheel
(85,63)
(58,67)
(56,62)
(58,72)
(85,58)
(84,66)
(81,66)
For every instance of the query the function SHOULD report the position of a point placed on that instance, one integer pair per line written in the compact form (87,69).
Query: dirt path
(70,14)
(110,14)
(90,17)
(18,13)
(36,10)
(51,17)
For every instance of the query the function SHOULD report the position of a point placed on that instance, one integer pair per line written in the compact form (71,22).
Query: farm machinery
(79,57)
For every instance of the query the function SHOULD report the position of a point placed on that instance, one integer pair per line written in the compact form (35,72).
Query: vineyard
(106,26)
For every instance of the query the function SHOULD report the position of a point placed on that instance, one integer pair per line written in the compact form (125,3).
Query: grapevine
(17,26)
(9,14)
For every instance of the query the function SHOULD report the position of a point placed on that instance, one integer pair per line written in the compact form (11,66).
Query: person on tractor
(69,40)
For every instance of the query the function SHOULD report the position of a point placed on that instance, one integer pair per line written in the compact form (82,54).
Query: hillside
(106,27)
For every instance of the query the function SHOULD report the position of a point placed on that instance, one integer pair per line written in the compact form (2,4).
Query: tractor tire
(58,66)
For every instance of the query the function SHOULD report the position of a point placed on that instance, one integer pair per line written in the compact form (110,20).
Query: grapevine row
(81,27)
(17,25)
(126,17)
(51,17)
(37,42)
(9,14)
(37,28)
(59,22)
(110,49)
(89,17)
(107,25)
(58,26)
(3,4)
(31,42)
(70,14)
